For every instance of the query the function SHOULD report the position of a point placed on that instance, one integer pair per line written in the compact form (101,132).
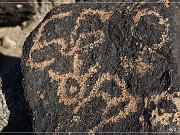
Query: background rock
(4,112)
(14,13)
(110,71)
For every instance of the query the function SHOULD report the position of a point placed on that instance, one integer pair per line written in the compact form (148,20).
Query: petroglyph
(76,74)
(139,65)
(73,89)
(162,21)
(160,115)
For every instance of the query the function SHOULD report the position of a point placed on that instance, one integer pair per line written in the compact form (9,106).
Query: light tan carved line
(104,15)
(63,44)
(37,45)
(88,46)
(61,41)
(162,21)
(77,63)
(76,48)
(131,107)
(165,118)
(95,92)
(136,6)
(138,65)
(81,79)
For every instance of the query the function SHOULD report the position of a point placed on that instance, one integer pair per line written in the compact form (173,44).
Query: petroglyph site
(104,67)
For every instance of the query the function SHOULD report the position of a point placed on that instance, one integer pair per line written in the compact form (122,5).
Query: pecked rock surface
(100,67)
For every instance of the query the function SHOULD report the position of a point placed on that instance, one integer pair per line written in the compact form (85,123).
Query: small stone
(8,42)
(24,24)
(18,6)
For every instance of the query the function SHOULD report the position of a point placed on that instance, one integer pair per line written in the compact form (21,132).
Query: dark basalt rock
(14,12)
(102,67)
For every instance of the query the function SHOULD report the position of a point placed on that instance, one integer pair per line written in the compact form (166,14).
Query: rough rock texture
(4,112)
(103,68)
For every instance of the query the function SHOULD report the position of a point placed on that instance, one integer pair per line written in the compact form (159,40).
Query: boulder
(102,67)
(13,12)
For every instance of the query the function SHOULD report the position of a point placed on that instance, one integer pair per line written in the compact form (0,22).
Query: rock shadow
(20,119)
